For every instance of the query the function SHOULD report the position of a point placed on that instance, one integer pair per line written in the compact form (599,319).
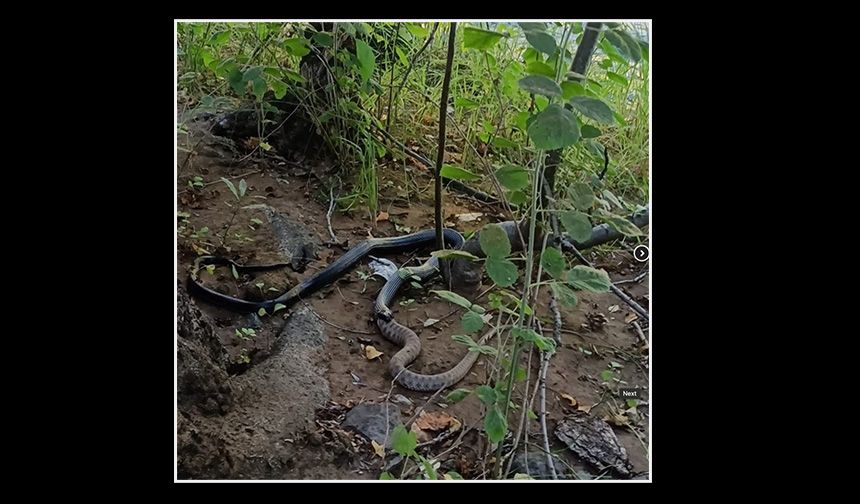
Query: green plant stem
(440,156)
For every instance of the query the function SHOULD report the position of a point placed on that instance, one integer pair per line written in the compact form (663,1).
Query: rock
(369,420)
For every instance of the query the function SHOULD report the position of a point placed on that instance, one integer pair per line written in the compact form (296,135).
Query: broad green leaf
(457,173)
(403,442)
(564,295)
(541,103)
(278,307)
(620,118)
(501,271)
(262,311)
(297,46)
(237,81)
(477,309)
(207,57)
(517,197)
(279,87)
(253,73)
(472,322)
(634,50)
(484,349)
(622,225)
(632,403)
(612,199)
(294,75)
(577,225)
(259,87)
(540,85)
(495,425)
(525,334)
(416,30)
(457,395)
(589,131)
(494,241)
(465,103)
(615,39)
(486,394)
(231,187)
(587,278)
(554,128)
(544,344)
(617,78)
(401,56)
(323,38)
(451,253)
(570,89)
(386,476)
(531,54)
(542,41)
(553,262)
(366,60)
(476,38)
(513,177)
(532,26)
(540,68)
(581,196)
(606,375)
(220,38)
(464,340)
(428,468)
(453,297)
(504,143)
(593,108)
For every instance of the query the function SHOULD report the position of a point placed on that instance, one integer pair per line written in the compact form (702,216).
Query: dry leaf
(199,250)
(371,352)
(614,308)
(449,224)
(378,448)
(430,321)
(617,420)
(435,421)
(469,217)
(421,435)
(569,399)
(630,318)
(383,216)
(585,409)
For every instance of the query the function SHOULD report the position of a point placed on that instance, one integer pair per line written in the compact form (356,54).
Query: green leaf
(472,322)
(253,73)
(606,375)
(294,75)
(451,253)
(494,241)
(453,475)
(237,81)
(612,199)
(518,197)
(495,425)
(465,103)
(634,50)
(235,273)
(582,197)
(615,39)
(457,173)
(457,395)
(475,38)
(259,88)
(542,41)
(565,296)
(403,442)
(525,334)
(589,131)
(587,278)
(577,225)
(570,89)
(621,225)
(297,46)
(279,307)
(486,394)
(220,38)
(401,56)
(617,78)
(262,312)
(554,128)
(553,262)
(366,60)
(279,87)
(520,374)
(593,108)
(539,85)
(513,177)
(540,68)
(544,344)
(323,38)
(531,414)
(477,309)
(504,143)
(532,26)
(501,271)
(243,186)
(632,403)
(386,476)
(207,58)
(484,349)
(452,297)
(416,30)
(428,468)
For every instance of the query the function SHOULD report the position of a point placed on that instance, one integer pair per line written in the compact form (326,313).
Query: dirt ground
(282,390)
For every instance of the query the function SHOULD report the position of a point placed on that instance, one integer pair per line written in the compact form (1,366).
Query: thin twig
(639,332)
(633,280)
(324,321)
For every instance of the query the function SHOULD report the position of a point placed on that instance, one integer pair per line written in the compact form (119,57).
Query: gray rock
(369,420)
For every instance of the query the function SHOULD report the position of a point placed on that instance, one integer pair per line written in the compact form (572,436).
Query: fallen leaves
(378,449)
(371,352)
(614,308)
(469,217)
(382,217)
(569,399)
(429,424)
(630,318)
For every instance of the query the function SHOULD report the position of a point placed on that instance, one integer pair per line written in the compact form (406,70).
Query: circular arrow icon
(641,253)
